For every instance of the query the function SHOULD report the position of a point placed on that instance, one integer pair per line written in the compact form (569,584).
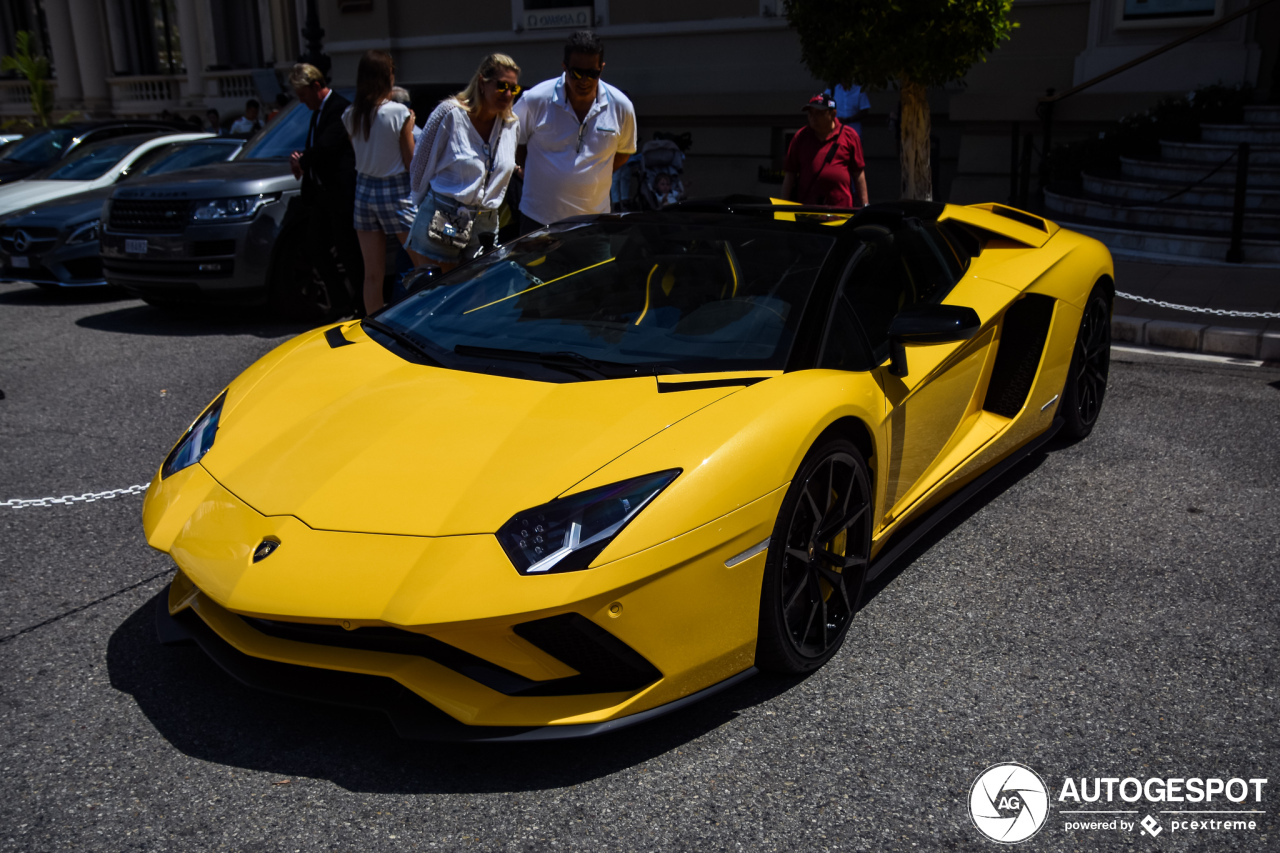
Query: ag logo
(1008,803)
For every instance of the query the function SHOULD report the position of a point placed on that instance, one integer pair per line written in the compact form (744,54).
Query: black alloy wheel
(817,561)
(1090,365)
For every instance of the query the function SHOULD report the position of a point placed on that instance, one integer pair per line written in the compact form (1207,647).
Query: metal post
(1013,165)
(314,34)
(1045,110)
(1235,254)
(1024,185)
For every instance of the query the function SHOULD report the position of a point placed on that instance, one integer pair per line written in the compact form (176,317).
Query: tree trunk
(914,128)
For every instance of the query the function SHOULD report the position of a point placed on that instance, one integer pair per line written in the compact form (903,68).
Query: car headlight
(568,533)
(196,441)
(86,233)
(241,207)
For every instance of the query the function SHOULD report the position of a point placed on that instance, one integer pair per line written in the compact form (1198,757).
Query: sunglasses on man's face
(584,73)
(504,86)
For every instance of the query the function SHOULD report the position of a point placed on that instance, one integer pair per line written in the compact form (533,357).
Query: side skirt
(906,538)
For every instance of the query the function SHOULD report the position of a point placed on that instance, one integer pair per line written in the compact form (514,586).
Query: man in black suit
(327,168)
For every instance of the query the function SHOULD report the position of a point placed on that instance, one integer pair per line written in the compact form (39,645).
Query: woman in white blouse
(464,162)
(381,132)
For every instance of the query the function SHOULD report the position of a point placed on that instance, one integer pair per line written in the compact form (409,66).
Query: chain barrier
(67,500)
(1217,312)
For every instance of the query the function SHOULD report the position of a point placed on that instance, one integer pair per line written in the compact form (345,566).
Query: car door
(929,406)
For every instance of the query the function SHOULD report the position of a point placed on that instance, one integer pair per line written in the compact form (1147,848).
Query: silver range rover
(224,233)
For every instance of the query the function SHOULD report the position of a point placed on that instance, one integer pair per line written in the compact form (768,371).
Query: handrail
(1239,13)
(1046,102)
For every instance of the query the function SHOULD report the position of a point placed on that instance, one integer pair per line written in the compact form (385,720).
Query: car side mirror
(928,324)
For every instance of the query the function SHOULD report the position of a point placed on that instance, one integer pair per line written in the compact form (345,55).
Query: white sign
(135,247)
(566,17)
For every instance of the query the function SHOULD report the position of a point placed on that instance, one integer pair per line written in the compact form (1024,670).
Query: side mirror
(929,324)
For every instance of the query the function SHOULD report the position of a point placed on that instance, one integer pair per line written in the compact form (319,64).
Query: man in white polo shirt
(575,131)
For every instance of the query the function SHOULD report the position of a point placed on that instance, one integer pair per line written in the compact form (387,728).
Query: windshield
(674,296)
(285,134)
(41,148)
(91,161)
(183,155)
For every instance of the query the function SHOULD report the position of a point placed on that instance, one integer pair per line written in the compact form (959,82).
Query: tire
(813,587)
(1090,365)
(298,291)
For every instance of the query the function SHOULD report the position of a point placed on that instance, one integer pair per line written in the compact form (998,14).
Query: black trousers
(330,227)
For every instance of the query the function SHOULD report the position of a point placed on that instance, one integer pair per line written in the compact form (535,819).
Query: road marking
(1190,356)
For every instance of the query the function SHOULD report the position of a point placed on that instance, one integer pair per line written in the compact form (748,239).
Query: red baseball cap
(821,101)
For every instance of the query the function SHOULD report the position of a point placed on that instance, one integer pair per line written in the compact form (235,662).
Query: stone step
(1213,153)
(1257,134)
(1181,174)
(1264,114)
(1164,218)
(1256,198)
(1212,248)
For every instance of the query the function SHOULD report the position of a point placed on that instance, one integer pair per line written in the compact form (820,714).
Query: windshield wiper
(566,360)
(401,337)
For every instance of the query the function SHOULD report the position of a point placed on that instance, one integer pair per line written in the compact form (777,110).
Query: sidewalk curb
(1196,337)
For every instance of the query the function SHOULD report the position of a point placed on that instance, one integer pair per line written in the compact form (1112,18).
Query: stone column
(62,45)
(192,52)
(87,28)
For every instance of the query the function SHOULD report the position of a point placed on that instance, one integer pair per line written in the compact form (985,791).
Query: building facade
(726,71)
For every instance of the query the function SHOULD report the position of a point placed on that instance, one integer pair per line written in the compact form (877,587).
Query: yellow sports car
(622,462)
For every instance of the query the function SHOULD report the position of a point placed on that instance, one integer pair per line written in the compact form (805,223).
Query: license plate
(135,247)
(21,262)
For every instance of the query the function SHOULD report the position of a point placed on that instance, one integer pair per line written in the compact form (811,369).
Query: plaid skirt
(384,204)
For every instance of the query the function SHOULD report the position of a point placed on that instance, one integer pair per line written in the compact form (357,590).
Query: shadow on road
(192,321)
(208,715)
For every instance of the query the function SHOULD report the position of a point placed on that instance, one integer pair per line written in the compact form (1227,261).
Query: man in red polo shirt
(824,163)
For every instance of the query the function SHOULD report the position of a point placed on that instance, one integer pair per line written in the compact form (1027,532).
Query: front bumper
(448,620)
(214,262)
(411,717)
(60,266)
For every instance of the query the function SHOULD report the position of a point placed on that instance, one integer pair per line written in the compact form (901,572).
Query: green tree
(911,43)
(36,69)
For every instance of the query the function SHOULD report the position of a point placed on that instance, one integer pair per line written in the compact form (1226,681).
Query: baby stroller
(661,174)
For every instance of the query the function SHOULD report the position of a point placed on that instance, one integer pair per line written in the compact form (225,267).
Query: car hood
(14,197)
(215,180)
(64,212)
(355,438)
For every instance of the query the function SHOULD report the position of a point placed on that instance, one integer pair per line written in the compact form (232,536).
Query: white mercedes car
(98,165)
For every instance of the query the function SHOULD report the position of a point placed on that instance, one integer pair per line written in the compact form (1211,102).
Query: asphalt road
(1109,609)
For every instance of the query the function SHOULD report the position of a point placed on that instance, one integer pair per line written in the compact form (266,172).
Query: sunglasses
(584,73)
(504,86)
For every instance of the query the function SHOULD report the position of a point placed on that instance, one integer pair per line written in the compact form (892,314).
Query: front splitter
(412,716)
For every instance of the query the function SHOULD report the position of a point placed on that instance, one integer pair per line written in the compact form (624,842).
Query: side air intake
(1022,336)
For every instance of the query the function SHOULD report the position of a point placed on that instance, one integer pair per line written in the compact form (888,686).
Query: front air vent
(1022,335)
(604,663)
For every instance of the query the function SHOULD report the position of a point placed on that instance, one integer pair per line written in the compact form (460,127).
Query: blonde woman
(381,132)
(464,162)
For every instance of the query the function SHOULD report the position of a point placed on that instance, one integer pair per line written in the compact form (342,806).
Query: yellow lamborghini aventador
(622,462)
